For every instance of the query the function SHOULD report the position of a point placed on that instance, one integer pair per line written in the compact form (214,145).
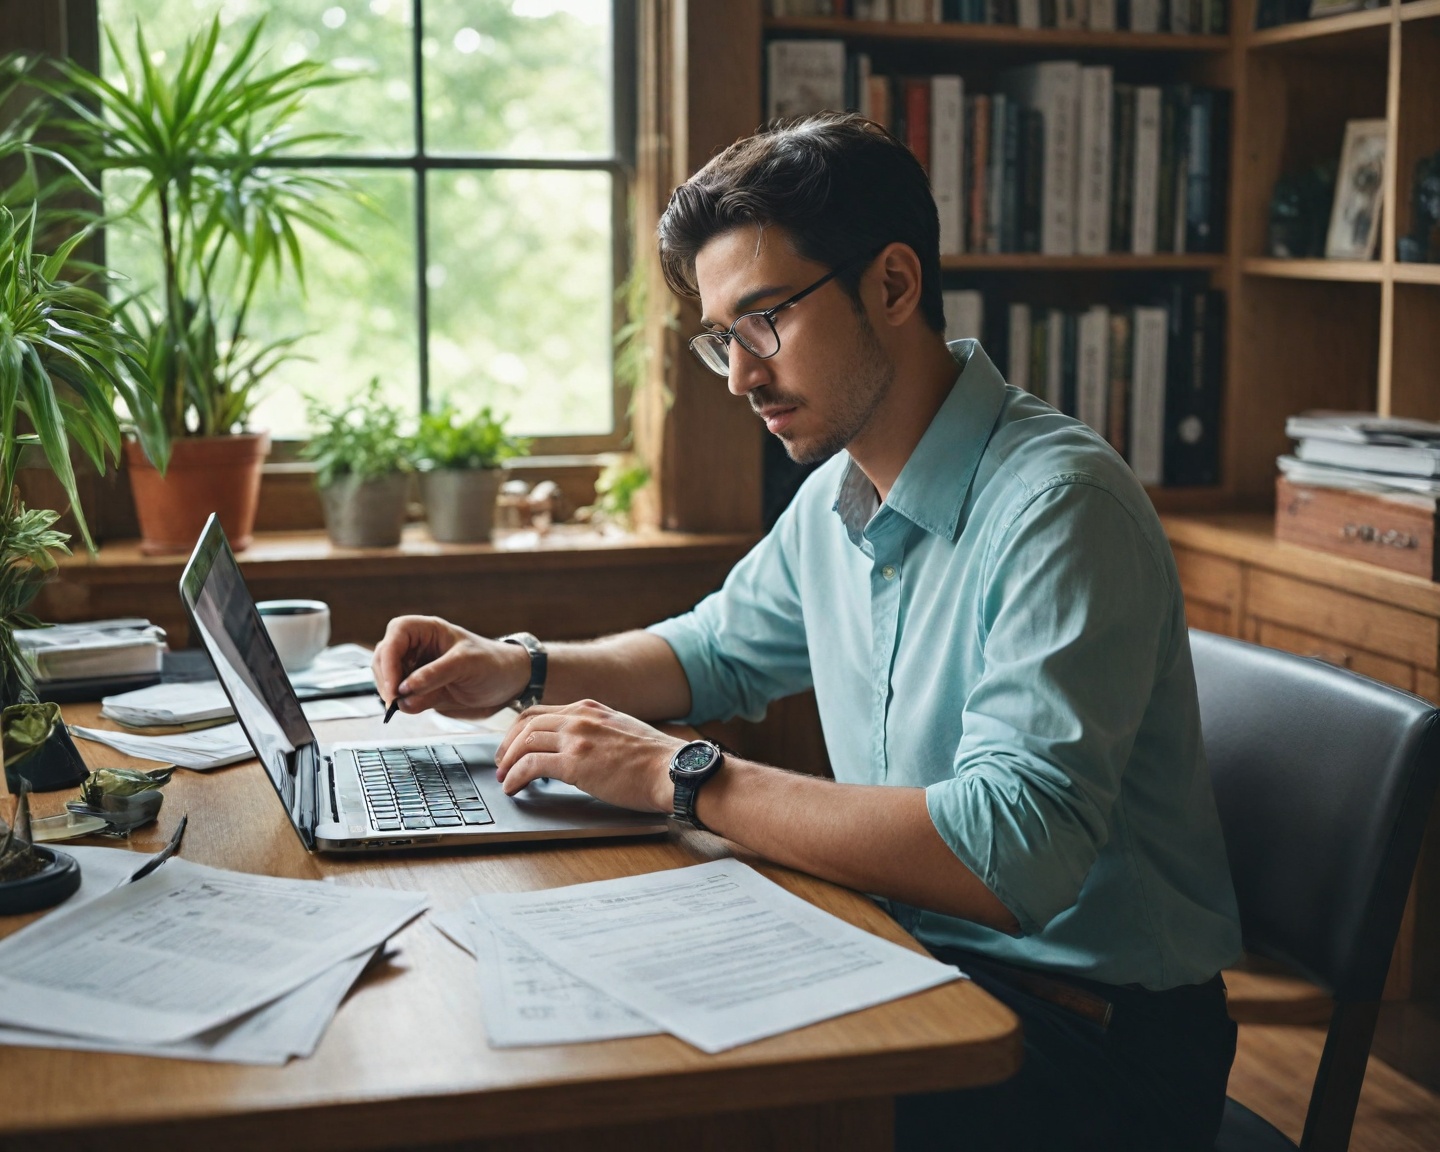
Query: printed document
(185,950)
(527,1000)
(198,751)
(715,954)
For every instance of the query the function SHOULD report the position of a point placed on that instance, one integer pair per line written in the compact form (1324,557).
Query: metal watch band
(539,661)
(688,783)
(686,792)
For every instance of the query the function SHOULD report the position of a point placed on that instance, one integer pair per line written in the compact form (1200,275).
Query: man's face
(818,393)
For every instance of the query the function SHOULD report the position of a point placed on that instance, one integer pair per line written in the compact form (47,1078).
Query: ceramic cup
(300,629)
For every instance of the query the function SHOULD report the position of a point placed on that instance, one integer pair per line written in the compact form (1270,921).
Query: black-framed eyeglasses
(755,330)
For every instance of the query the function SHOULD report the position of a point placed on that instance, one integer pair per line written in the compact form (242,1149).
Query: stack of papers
(202,702)
(226,966)
(95,655)
(338,671)
(714,954)
(1364,452)
(198,751)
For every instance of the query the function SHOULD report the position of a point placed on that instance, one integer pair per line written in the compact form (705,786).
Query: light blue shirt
(1007,632)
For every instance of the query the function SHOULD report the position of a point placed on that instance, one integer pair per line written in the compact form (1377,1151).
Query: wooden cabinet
(1240,581)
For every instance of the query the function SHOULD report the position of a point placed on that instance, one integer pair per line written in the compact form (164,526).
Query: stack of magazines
(1364,452)
(84,660)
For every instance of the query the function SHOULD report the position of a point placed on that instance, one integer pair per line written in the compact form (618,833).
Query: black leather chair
(1324,780)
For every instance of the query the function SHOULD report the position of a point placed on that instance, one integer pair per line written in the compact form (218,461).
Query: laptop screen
(225,618)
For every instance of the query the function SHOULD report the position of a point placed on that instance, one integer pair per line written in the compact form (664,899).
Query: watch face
(694,758)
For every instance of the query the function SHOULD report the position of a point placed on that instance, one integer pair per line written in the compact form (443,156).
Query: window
(491,137)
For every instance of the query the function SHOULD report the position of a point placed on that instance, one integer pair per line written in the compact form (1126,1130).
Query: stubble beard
(856,398)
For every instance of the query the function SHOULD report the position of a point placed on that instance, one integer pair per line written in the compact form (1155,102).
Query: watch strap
(686,792)
(534,691)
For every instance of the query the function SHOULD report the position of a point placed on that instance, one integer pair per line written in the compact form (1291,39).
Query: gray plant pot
(460,503)
(368,513)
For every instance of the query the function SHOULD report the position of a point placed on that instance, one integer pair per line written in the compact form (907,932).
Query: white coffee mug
(299,629)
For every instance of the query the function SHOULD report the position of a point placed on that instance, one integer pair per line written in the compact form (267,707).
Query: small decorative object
(364,462)
(1300,211)
(31,877)
(1355,217)
(1422,246)
(463,467)
(125,798)
(38,750)
(299,629)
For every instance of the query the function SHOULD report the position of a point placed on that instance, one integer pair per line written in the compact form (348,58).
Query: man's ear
(897,270)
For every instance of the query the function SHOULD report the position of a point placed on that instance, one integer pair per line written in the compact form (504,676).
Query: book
(1055,359)
(979,168)
(1192,399)
(1102,16)
(947,155)
(1174,113)
(1122,166)
(1053,87)
(1144,16)
(964,314)
(917,118)
(1362,428)
(1147,394)
(1092,369)
(1010,181)
(804,77)
(1017,358)
(1207,170)
(1116,407)
(1144,198)
(95,649)
(1092,233)
(1396,458)
(995,173)
(1031,178)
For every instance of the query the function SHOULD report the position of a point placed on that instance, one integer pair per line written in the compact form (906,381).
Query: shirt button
(888,571)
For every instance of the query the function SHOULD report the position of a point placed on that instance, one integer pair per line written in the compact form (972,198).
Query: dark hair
(838,185)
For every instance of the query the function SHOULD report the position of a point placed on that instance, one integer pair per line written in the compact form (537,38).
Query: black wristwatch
(538,663)
(690,767)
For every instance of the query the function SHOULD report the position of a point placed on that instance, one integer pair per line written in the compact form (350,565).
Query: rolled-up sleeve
(744,646)
(1075,617)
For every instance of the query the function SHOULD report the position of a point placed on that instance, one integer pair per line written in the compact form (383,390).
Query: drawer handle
(1390,538)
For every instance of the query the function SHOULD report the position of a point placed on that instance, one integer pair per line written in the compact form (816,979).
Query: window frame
(83,20)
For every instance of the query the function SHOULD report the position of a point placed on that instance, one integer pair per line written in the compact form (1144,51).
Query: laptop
(371,796)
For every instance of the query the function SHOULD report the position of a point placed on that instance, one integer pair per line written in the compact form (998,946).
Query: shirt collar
(931,488)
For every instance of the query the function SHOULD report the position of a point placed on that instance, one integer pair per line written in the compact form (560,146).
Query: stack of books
(1363,451)
(1147,377)
(1055,158)
(82,661)
(1179,16)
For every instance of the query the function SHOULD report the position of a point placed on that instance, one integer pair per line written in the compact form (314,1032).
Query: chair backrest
(1324,781)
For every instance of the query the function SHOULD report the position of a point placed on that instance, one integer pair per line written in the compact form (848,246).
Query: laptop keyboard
(422,787)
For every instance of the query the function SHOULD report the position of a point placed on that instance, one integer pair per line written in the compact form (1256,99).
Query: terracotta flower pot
(366,513)
(207,474)
(460,503)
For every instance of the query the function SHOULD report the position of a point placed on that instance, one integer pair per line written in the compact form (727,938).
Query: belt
(1072,998)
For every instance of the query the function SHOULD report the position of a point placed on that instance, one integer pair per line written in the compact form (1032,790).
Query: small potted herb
(463,466)
(363,465)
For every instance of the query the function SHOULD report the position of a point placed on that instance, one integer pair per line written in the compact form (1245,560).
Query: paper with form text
(715,953)
(527,1000)
(185,950)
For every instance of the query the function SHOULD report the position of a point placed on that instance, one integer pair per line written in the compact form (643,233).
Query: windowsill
(564,546)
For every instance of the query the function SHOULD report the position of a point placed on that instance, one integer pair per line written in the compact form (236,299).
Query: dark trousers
(1151,1080)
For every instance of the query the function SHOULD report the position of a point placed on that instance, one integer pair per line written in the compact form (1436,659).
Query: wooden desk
(405,1061)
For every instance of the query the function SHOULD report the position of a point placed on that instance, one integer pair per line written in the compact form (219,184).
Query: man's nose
(747,371)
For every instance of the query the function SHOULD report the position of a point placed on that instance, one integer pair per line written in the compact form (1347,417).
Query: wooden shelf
(1112,262)
(1000,35)
(1308,31)
(1417,274)
(1420,10)
(1347,271)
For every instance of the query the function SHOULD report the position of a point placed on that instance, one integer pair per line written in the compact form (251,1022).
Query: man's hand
(430,663)
(610,755)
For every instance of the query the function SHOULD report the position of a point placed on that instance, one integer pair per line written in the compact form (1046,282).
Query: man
(982,597)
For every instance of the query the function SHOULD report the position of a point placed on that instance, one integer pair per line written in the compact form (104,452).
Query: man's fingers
(532,766)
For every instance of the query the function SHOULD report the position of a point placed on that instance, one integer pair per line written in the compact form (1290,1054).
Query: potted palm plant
(63,361)
(463,465)
(363,461)
(208,142)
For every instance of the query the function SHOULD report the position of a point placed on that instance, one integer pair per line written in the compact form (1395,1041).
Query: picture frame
(1354,231)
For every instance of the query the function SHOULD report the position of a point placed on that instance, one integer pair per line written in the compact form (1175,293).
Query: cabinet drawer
(1211,585)
(1322,648)
(1353,622)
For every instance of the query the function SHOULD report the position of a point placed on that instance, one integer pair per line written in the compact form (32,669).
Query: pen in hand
(393,708)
